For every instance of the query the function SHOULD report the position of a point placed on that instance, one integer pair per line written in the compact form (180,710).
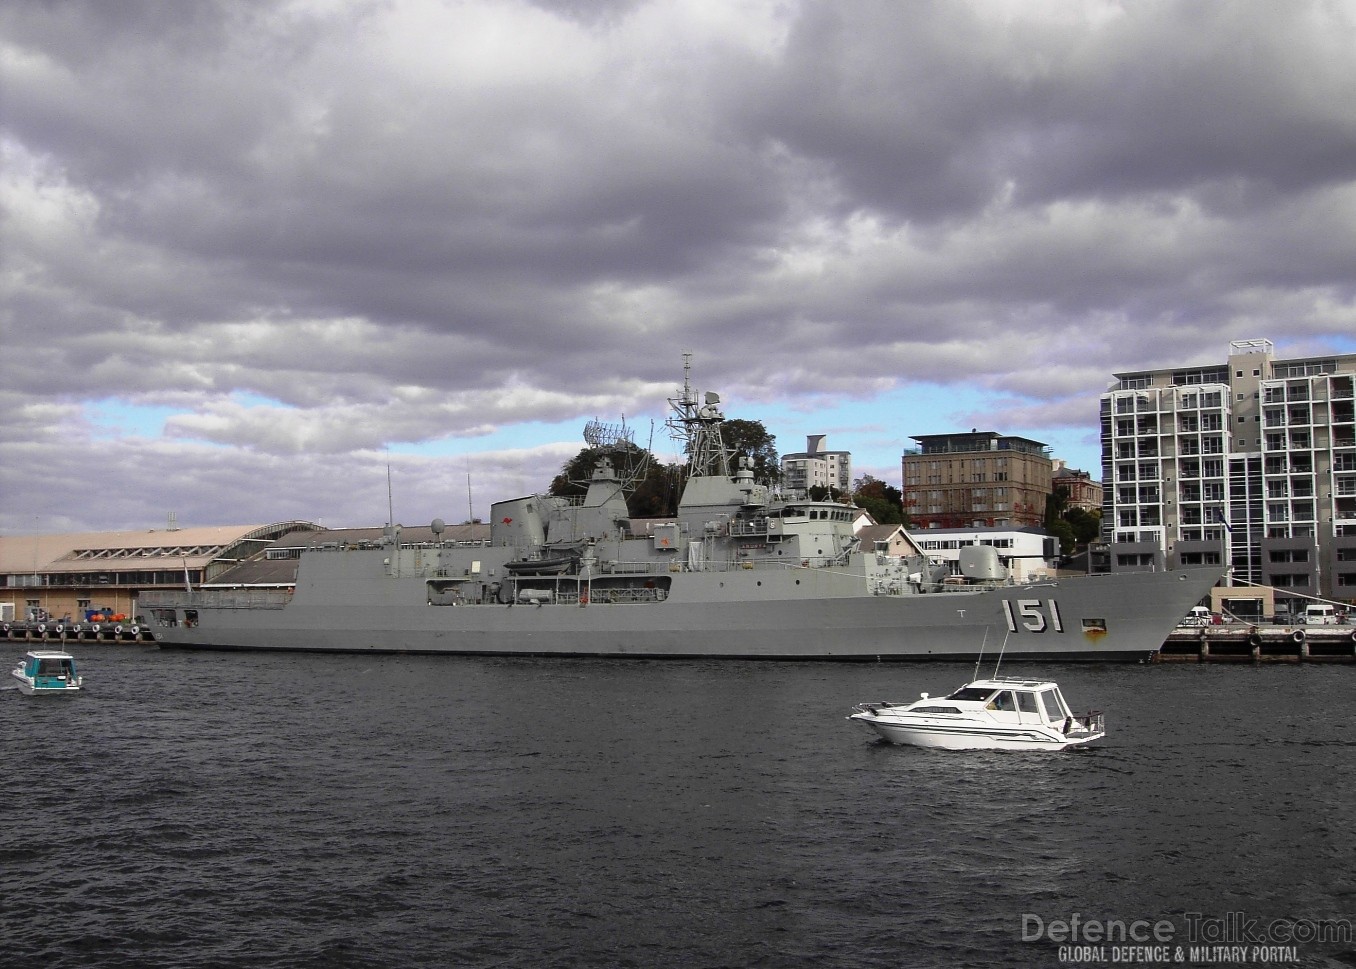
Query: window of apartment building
(1289,555)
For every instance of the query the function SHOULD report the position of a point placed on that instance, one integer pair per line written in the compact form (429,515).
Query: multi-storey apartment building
(1249,464)
(979,479)
(817,466)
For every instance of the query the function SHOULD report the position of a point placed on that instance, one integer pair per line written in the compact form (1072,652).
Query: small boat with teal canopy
(46,671)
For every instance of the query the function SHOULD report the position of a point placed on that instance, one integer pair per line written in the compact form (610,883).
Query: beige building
(68,575)
(975,480)
(1248,464)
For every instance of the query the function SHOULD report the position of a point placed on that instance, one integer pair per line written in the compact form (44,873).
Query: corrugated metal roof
(154,548)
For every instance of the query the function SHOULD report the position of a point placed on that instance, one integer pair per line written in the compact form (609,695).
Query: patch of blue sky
(113,419)
(507,437)
(876,431)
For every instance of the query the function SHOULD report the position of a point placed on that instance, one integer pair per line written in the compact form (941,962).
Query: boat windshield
(1054,709)
(972,693)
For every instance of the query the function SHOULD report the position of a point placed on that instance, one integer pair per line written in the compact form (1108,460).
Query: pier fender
(1297,636)
(75,627)
(1255,639)
(94,628)
(136,630)
(60,629)
(42,627)
(117,630)
(6,627)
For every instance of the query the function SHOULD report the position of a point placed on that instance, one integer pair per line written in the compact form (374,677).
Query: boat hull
(960,736)
(775,615)
(28,688)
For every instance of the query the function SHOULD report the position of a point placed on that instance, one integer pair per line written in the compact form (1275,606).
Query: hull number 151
(1033,615)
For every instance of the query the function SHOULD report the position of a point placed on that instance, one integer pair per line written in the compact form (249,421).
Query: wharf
(57,633)
(1225,643)
(1244,643)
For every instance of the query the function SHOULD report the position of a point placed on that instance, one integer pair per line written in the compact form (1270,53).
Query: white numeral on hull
(1035,615)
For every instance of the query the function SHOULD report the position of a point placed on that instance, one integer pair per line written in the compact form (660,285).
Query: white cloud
(299,233)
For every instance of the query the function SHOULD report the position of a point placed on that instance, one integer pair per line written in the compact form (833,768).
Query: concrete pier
(1242,643)
(58,634)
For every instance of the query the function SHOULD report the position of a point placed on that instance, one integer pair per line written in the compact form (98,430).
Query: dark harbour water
(288,810)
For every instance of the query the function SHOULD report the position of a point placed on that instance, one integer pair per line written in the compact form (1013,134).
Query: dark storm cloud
(308,228)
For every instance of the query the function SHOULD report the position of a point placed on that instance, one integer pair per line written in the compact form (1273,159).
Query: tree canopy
(751,439)
(885,503)
(1074,527)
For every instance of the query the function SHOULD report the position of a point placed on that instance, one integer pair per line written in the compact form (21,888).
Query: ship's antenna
(470,505)
(390,498)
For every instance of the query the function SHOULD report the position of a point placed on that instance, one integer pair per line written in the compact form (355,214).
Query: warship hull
(783,615)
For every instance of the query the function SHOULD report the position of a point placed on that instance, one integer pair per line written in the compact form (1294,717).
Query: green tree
(751,439)
(1063,531)
(884,502)
(1087,525)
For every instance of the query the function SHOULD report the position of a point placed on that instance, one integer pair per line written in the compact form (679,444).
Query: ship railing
(752,529)
(217,599)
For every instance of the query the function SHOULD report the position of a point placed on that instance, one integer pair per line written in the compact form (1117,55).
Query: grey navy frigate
(738,572)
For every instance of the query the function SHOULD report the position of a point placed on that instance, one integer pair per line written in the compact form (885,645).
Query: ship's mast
(697,423)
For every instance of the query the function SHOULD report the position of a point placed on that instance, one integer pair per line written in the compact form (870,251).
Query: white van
(1198,616)
(1320,615)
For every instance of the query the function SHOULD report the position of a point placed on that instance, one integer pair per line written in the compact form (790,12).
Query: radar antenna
(598,434)
(697,423)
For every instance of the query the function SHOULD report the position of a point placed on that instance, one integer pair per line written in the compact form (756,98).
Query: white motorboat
(1002,713)
(46,672)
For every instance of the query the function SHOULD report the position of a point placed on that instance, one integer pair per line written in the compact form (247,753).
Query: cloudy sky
(254,252)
